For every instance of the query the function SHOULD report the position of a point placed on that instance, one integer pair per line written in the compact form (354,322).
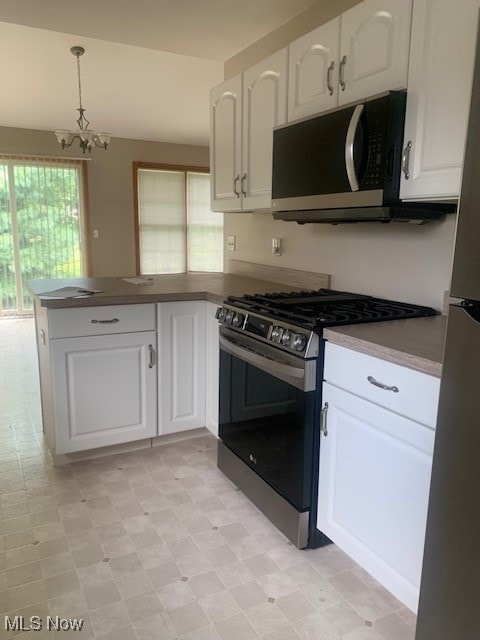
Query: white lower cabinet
(115,374)
(212,362)
(104,390)
(181,373)
(374,481)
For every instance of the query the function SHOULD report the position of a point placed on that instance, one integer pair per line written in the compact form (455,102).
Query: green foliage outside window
(43,202)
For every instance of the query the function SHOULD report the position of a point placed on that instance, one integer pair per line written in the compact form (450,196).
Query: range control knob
(276,334)
(287,336)
(238,319)
(229,316)
(220,314)
(299,341)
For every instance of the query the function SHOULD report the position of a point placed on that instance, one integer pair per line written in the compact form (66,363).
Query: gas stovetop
(292,320)
(327,308)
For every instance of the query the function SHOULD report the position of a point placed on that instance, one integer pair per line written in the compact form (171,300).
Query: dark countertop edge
(105,301)
(383,352)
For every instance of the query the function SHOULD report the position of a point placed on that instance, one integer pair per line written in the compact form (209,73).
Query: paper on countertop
(69,292)
(138,280)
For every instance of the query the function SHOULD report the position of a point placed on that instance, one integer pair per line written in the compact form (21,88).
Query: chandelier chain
(79,82)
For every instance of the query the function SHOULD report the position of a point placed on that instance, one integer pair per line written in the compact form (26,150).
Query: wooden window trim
(88,268)
(159,167)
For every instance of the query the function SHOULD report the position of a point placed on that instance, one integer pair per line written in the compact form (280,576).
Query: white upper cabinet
(361,53)
(243,112)
(264,107)
(313,71)
(374,48)
(438,100)
(226,144)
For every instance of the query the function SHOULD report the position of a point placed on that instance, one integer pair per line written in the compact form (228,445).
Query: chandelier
(86,137)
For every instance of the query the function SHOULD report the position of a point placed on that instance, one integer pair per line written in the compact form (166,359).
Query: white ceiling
(148,65)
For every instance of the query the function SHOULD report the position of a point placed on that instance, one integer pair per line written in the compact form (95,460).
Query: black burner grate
(327,308)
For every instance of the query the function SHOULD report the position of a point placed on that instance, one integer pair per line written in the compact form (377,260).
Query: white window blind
(177,230)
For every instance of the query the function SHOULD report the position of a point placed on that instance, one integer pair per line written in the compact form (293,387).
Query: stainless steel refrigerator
(449,607)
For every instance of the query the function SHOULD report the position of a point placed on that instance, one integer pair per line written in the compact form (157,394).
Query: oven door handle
(288,373)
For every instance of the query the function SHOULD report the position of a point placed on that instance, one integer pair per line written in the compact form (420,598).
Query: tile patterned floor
(158,544)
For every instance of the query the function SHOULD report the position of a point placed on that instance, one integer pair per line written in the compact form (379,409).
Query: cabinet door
(438,100)
(373,489)
(225,145)
(264,107)
(212,364)
(374,48)
(105,390)
(181,377)
(313,71)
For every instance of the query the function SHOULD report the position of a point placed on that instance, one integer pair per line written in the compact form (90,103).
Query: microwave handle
(349,147)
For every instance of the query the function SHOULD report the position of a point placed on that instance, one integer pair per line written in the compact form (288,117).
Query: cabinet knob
(235,184)
(329,77)
(244,188)
(406,160)
(380,385)
(153,358)
(341,75)
(323,419)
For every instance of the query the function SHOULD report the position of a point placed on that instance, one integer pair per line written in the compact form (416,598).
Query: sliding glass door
(41,226)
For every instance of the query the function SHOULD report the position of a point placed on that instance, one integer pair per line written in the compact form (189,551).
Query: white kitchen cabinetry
(374,48)
(439,85)
(359,54)
(226,145)
(212,361)
(313,71)
(375,464)
(243,112)
(102,362)
(181,375)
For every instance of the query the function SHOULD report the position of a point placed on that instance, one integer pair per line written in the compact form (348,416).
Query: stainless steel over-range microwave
(345,166)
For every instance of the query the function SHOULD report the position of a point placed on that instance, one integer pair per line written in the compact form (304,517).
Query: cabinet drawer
(95,321)
(417,395)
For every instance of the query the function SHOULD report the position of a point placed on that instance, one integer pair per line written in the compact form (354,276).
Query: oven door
(267,409)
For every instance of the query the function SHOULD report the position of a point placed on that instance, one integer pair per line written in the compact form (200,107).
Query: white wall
(397,261)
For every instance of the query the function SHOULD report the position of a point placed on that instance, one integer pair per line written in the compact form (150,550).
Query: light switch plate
(231,243)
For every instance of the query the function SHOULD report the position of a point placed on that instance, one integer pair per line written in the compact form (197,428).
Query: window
(41,225)
(176,230)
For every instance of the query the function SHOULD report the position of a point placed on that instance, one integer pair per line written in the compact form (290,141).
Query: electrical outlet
(95,233)
(231,243)
(277,246)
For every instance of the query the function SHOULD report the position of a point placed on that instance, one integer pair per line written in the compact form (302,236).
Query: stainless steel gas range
(271,371)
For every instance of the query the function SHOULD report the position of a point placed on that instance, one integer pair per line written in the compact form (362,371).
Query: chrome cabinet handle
(349,147)
(341,77)
(153,359)
(112,321)
(406,160)
(323,419)
(329,77)
(244,189)
(235,183)
(380,385)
